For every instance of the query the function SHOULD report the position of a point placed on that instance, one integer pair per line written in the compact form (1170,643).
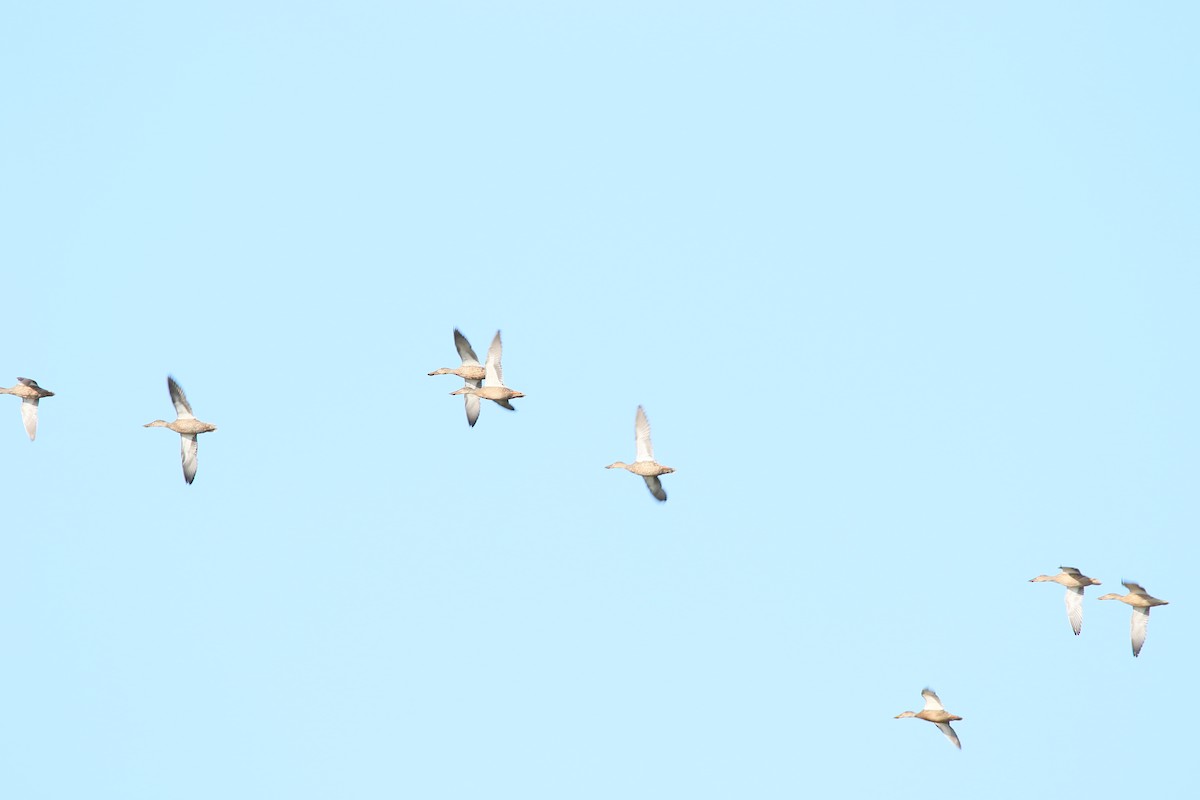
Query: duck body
(27,389)
(467,373)
(647,469)
(937,716)
(1069,577)
(497,394)
(184,426)
(1138,598)
(30,393)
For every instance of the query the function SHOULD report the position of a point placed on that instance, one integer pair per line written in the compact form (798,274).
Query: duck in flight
(1076,582)
(30,393)
(645,465)
(935,713)
(1142,602)
(471,371)
(187,426)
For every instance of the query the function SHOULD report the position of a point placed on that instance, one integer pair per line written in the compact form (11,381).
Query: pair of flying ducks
(185,424)
(1075,582)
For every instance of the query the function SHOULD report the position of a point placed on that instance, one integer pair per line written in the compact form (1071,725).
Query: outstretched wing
(182,409)
(472,403)
(493,373)
(1075,608)
(950,734)
(1136,588)
(1137,628)
(469,359)
(189,448)
(655,487)
(932,703)
(645,451)
(29,408)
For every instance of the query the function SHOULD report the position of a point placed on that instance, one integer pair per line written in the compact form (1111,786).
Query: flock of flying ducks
(486,382)
(492,375)
(1075,582)
(480,382)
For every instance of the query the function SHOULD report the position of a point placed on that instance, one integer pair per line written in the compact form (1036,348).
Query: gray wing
(1137,628)
(1136,588)
(29,408)
(464,350)
(1075,608)
(932,702)
(505,403)
(189,448)
(655,487)
(950,734)
(472,403)
(182,409)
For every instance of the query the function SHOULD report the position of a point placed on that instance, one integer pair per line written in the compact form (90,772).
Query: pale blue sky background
(908,291)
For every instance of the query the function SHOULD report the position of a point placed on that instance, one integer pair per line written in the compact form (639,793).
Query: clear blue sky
(908,291)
